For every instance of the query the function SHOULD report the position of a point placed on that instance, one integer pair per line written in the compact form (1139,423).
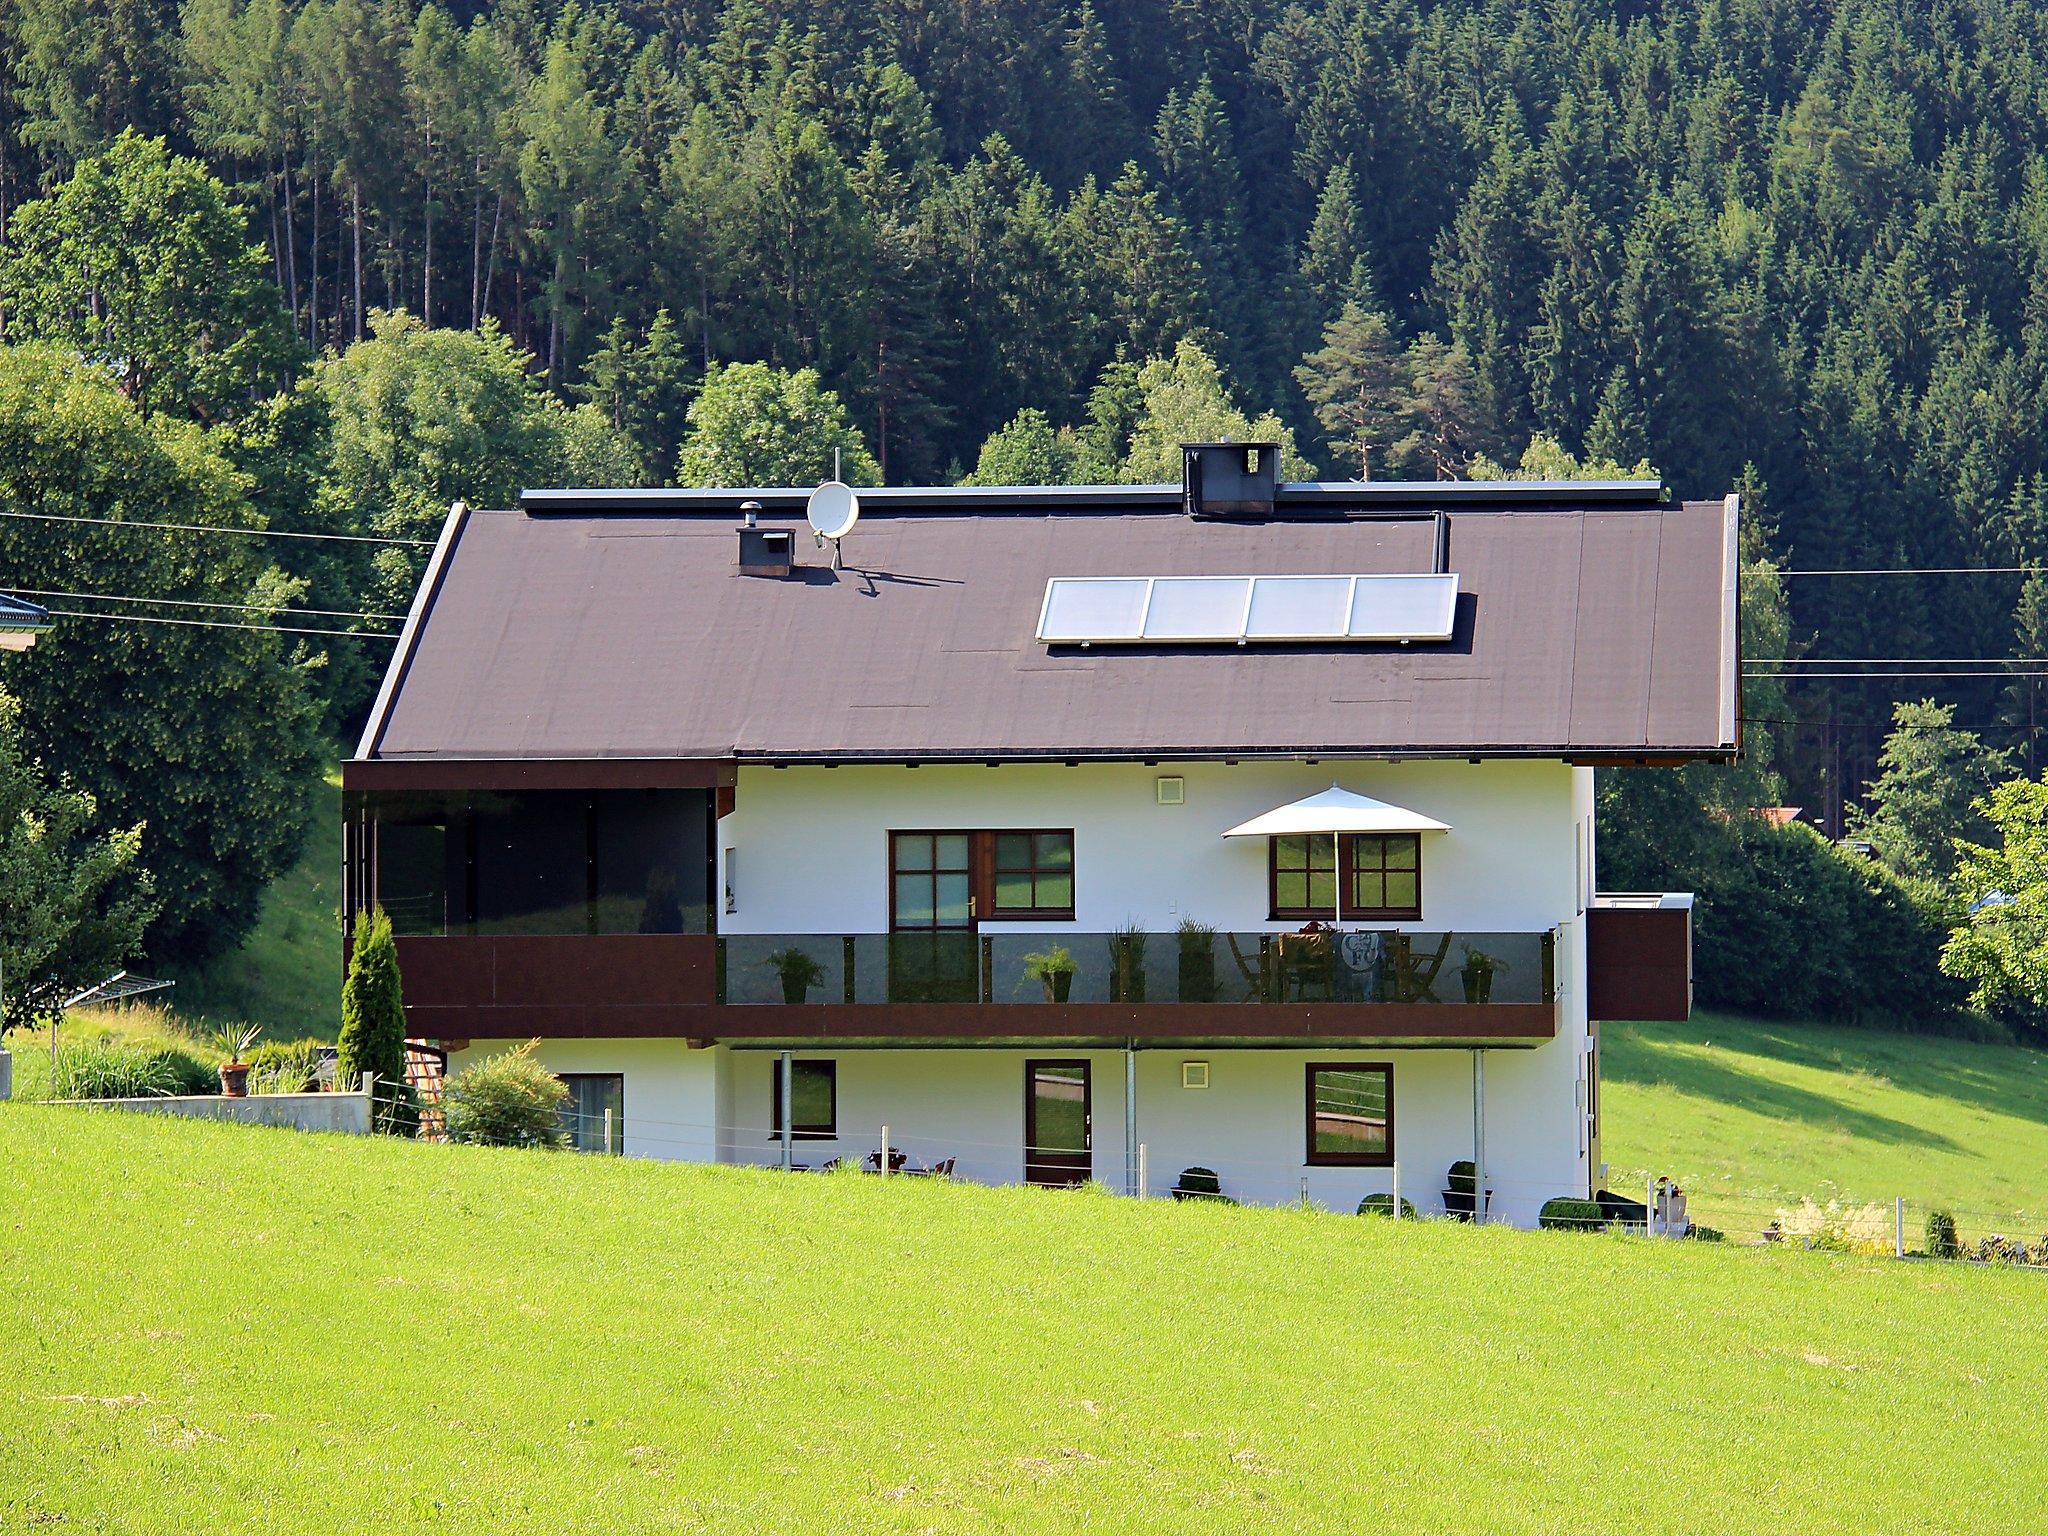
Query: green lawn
(213,1326)
(1751,1115)
(287,975)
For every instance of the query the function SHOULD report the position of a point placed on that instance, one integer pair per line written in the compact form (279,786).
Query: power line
(189,602)
(1925,570)
(254,533)
(274,629)
(1900,661)
(2006,673)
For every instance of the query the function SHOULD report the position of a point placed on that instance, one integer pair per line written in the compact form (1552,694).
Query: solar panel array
(1238,610)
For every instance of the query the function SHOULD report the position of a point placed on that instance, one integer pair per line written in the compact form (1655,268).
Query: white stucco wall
(811,848)
(809,855)
(671,1091)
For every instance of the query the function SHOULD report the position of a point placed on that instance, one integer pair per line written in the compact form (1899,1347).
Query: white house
(1232,825)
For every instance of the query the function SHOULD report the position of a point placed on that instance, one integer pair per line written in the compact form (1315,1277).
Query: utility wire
(274,629)
(1925,570)
(189,602)
(2006,672)
(254,533)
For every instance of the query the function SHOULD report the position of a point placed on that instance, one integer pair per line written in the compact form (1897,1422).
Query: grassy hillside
(213,1325)
(287,976)
(1751,1115)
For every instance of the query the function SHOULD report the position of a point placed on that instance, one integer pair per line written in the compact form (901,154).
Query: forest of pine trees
(1795,247)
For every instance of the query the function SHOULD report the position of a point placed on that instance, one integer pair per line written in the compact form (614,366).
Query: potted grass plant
(799,972)
(1052,969)
(234,1072)
(1196,961)
(1127,964)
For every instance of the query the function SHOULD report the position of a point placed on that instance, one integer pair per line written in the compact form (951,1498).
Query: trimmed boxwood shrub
(1383,1205)
(1941,1236)
(507,1100)
(1464,1177)
(1198,1183)
(1567,1213)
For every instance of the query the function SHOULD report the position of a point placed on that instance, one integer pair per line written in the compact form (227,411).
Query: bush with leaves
(285,1067)
(1383,1205)
(1567,1214)
(507,1100)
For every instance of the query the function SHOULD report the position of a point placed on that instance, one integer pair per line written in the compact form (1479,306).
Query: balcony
(988,988)
(1197,984)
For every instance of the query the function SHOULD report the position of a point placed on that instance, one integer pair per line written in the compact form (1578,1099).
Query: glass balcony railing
(1189,966)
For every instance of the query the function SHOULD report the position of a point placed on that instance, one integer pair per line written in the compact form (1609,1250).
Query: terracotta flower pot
(234,1080)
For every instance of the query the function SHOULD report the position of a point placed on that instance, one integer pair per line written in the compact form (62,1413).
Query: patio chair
(1412,978)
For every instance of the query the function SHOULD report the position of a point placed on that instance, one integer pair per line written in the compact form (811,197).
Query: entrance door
(1057,1122)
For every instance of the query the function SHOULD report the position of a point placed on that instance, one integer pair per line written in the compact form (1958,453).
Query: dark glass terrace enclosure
(535,861)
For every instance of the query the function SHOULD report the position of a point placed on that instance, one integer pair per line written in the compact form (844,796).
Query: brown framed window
(1034,875)
(953,880)
(814,1089)
(1350,1114)
(1382,874)
(931,881)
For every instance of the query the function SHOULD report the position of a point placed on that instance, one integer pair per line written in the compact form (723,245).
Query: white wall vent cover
(1238,610)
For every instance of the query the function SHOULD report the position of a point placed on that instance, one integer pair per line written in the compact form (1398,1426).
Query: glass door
(1058,1122)
(933,953)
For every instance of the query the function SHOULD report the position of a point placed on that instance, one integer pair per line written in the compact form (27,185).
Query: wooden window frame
(1347,871)
(981,875)
(1314,1159)
(932,833)
(826,1132)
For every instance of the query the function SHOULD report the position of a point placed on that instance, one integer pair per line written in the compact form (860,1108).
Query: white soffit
(1336,810)
(1239,610)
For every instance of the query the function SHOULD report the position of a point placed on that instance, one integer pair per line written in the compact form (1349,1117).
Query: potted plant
(1197,961)
(799,972)
(1477,974)
(1054,970)
(234,1072)
(1127,964)
(1461,1199)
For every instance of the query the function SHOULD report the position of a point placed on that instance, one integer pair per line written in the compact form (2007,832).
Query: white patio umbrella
(1336,811)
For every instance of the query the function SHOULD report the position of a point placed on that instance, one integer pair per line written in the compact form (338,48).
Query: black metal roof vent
(1229,479)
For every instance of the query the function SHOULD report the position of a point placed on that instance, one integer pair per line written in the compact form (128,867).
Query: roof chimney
(764,551)
(1229,479)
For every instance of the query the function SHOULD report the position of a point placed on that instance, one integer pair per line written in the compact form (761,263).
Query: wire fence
(1908,1227)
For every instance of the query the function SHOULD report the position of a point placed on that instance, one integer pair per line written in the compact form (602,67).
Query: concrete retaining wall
(347,1113)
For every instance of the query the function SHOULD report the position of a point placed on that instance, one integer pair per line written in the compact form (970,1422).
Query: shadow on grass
(1644,1059)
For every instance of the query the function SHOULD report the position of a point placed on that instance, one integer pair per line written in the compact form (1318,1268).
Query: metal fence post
(1899,1226)
(370,1098)
(885,1151)
(1141,1170)
(1650,1209)
(1397,1190)
(609,1145)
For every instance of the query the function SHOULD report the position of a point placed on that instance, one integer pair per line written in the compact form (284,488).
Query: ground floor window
(1350,1113)
(591,1094)
(814,1092)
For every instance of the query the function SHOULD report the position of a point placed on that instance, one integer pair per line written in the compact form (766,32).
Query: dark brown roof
(619,628)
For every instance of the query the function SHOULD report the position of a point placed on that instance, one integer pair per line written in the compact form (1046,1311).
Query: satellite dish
(833,510)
